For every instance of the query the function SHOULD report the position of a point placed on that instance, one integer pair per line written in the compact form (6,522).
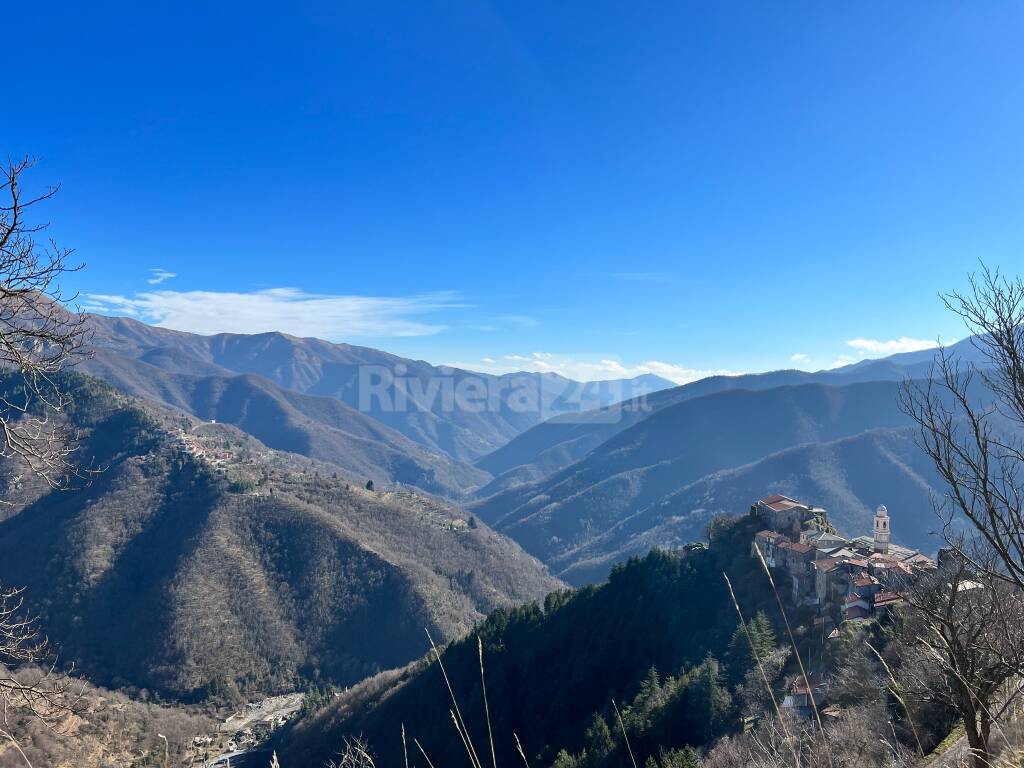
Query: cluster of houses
(203,450)
(850,577)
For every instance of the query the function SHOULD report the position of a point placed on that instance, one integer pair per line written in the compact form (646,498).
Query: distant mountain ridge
(436,406)
(562,440)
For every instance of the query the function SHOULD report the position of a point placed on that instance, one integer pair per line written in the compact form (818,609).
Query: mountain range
(464,414)
(563,439)
(322,428)
(620,494)
(579,478)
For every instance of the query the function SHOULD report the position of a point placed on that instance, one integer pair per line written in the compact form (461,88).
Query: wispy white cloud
(891,347)
(588,367)
(158,276)
(842,360)
(641,277)
(799,357)
(519,321)
(289,310)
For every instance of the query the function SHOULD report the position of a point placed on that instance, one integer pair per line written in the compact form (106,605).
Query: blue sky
(594,187)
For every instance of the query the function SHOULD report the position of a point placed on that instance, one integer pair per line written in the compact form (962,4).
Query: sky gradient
(593,187)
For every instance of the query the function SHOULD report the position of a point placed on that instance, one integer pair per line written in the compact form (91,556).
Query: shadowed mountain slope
(200,561)
(560,516)
(849,477)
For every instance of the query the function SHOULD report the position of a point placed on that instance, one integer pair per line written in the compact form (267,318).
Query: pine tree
(759,638)
(707,700)
(599,740)
(762,635)
(650,696)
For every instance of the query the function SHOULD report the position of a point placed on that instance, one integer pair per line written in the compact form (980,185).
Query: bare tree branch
(39,338)
(970,418)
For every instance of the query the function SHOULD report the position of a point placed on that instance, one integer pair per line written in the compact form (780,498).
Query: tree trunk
(977,738)
(986,732)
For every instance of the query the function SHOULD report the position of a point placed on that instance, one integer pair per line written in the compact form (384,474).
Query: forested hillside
(200,562)
(553,668)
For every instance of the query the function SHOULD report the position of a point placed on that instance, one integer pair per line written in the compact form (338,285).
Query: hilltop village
(850,579)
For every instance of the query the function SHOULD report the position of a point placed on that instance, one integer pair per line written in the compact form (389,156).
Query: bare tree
(960,644)
(355,754)
(970,417)
(39,689)
(39,339)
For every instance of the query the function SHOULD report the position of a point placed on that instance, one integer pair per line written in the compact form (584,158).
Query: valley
(243,539)
(284,538)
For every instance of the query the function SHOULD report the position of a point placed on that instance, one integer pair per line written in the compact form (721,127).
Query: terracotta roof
(803,549)
(800,686)
(769,535)
(779,503)
(884,598)
(826,564)
(863,580)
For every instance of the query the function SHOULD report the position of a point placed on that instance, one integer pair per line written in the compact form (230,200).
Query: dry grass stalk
(519,749)
(487,708)
(796,652)
(760,667)
(423,752)
(625,736)
(460,724)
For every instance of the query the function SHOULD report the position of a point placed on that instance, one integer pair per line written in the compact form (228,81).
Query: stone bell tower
(882,530)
